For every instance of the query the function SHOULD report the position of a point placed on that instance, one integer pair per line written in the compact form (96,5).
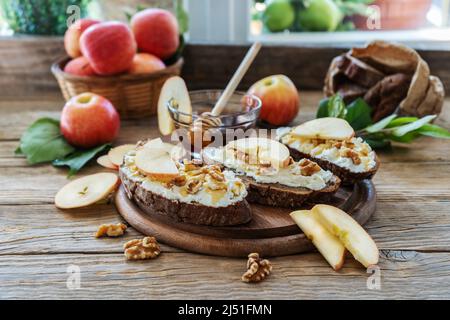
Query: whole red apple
(89,120)
(156,32)
(80,67)
(144,63)
(73,34)
(109,47)
(280,99)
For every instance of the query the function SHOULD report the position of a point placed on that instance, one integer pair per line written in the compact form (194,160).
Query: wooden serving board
(271,232)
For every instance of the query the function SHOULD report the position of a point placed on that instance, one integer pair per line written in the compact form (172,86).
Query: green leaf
(358,114)
(401,121)
(43,142)
(403,130)
(18,151)
(322,111)
(380,125)
(378,144)
(433,130)
(406,138)
(336,107)
(79,158)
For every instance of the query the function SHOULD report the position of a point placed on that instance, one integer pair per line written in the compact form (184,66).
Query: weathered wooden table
(39,242)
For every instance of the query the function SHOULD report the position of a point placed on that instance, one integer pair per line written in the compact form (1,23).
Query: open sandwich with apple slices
(185,191)
(331,143)
(271,175)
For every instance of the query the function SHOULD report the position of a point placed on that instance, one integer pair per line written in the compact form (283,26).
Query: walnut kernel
(257,269)
(111,230)
(141,249)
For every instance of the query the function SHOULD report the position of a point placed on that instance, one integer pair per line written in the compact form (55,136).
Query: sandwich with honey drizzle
(271,175)
(331,143)
(186,191)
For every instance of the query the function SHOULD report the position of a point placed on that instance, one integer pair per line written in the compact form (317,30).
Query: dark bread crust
(278,195)
(347,176)
(149,202)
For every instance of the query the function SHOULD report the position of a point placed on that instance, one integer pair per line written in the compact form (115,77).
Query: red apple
(280,99)
(156,32)
(73,34)
(89,120)
(109,47)
(80,67)
(146,63)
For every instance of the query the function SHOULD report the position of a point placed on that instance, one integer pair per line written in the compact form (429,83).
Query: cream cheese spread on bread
(304,174)
(206,185)
(353,154)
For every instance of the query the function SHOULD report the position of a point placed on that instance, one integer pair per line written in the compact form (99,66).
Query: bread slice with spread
(331,143)
(270,174)
(184,191)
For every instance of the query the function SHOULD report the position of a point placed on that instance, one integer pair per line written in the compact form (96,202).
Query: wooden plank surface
(38,242)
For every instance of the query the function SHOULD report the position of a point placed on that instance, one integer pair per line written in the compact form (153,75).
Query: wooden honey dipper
(211,119)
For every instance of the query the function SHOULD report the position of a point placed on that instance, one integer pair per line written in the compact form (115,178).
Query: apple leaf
(358,114)
(380,125)
(43,142)
(79,158)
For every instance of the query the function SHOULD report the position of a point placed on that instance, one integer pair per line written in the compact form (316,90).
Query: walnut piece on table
(111,230)
(257,269)
(142,249)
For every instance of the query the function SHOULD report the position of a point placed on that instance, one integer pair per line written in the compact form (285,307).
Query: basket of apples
(125,64)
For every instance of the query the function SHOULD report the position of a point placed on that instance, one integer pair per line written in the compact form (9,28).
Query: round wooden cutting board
(271,232)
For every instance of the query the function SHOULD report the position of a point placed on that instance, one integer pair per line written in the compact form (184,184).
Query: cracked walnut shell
(142,249)
(111,230)
(257,269)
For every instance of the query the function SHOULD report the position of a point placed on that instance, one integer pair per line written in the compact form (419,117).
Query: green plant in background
(380,134)
(39,17)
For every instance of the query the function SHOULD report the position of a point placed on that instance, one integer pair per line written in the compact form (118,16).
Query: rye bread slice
(151,203)
(346,176)
(278,195)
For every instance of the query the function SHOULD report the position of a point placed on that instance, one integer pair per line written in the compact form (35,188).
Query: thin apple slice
(160,167)
(262,150)
(328,245)
(325,128)
(116,154)
(174,91)
(104,161)
(86,191)
(349,232)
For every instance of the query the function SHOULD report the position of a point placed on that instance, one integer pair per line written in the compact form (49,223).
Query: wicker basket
(133,95)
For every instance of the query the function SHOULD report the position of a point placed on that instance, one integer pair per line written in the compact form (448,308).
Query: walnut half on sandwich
(331,142)
(270,174)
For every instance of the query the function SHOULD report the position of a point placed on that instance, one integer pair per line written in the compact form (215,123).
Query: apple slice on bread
(262,151)
(174,91)
(155,161)
(349,232)
(105,162)
(85,191)
(325,128)
(116,154)
(328,244)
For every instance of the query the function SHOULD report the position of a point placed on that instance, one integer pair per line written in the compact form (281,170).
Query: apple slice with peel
(157,166)
(174,91)
(104,161)
(85,191)
(349,232)
(325,128)
(116,154)
(328,245)
(262,150)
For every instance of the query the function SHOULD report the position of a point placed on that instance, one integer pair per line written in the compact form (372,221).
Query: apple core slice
(262,150)
(349,232)
(86,191)
(116,154)
(156,166)
(104,161)
(174,91)
(325,128)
